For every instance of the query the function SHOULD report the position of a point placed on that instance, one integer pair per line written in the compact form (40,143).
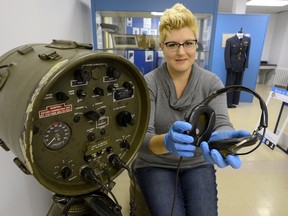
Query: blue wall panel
(140,60)
(256,26)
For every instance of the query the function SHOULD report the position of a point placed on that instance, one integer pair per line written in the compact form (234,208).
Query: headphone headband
(264,114)
(203,117)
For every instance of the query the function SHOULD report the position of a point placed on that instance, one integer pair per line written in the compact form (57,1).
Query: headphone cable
(175,186)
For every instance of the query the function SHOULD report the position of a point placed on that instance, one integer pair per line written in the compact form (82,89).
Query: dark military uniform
(236,57)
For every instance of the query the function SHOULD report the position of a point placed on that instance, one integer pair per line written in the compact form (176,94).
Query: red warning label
(56,109)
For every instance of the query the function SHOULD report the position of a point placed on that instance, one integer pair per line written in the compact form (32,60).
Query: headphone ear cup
(202,119)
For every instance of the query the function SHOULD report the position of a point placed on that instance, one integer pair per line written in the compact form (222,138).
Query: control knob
(61,96)
(92,115)
(66,172)
(124,118)
(113,73)
(124,144)
(99,91)
(81,93)
(82,75)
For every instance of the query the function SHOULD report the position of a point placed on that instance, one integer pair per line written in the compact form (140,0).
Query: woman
(175,88)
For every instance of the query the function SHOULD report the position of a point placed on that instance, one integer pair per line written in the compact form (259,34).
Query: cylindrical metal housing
(65,107)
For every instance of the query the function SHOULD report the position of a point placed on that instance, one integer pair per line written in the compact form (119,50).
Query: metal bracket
(50,55)
(24,50)
(66,44)
(4,146)
(21,166)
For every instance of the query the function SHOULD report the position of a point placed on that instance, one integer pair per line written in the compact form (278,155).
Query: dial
(57,135)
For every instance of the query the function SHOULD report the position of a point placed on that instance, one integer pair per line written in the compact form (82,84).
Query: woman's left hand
(214,157)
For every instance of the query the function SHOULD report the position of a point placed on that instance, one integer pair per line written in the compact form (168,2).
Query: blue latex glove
(214,157)
(177,142)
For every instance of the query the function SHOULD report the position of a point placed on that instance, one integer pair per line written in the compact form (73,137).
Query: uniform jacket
(236,53)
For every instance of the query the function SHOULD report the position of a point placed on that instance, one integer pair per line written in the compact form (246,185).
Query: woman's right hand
(177,142)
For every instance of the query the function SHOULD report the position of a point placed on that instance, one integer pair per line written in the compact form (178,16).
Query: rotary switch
(61,96)
(82,75)
(124,118)
(81,93)
(99,91)
(92,115)
(124,144)
(66,172)
(113,73)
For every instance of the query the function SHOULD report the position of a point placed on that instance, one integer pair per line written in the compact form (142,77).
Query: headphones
(203,117)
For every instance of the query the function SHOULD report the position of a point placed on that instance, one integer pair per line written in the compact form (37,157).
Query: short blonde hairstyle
(177,17)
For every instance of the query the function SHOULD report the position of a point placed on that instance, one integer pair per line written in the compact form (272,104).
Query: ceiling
(225,6)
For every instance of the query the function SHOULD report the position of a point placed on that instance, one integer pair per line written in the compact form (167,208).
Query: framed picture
(124,41)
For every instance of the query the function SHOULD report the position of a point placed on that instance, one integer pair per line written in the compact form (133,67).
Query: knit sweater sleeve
(151,81)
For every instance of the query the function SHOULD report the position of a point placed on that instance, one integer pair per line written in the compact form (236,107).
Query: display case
(133,32)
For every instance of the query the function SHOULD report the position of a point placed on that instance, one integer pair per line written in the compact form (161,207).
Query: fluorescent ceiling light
(157,13)
(270,3)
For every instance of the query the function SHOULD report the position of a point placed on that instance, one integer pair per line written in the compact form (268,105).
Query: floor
(260,186)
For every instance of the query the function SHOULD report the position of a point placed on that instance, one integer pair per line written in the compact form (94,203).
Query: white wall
(37,21)
(268,38)
(24,22)
(282,35)
(276,41)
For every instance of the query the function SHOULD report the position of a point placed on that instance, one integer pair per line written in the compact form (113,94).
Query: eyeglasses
(186,45)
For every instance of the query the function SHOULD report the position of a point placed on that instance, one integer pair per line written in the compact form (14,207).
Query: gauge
(57,135)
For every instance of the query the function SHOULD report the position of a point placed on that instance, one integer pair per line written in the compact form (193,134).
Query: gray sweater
(166,109)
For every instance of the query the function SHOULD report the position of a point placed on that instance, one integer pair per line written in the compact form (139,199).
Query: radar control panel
(65,107)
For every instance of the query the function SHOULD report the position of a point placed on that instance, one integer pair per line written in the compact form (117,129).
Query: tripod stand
(97,203)
(94,204)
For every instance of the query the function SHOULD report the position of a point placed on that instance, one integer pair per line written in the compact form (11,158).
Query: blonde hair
(177,17)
